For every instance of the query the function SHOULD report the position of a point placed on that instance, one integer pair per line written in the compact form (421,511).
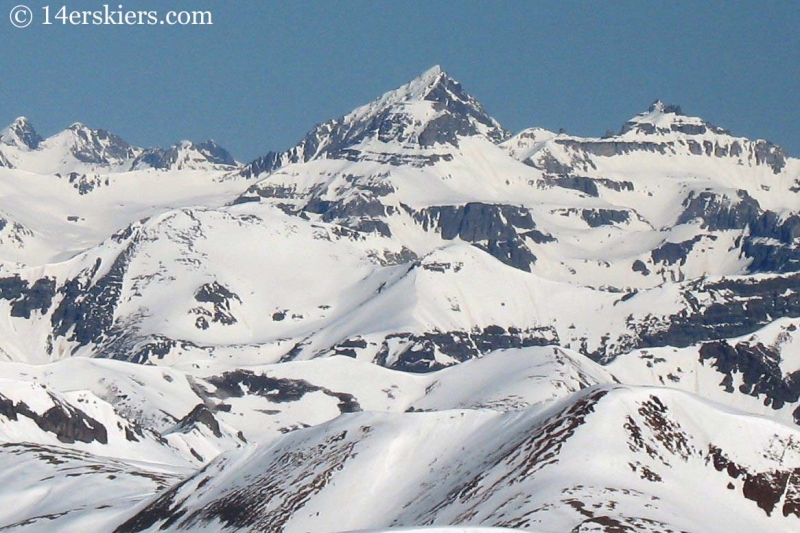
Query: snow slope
(412,318)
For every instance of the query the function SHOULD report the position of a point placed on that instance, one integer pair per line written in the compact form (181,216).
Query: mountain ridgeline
(245,346)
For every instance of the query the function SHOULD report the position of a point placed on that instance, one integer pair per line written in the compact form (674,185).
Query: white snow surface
(386,328)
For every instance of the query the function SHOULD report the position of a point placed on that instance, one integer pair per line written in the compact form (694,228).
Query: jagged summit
(661,118)
(431,110)
(660,107)
(80,149)
(433,85)
(21,133)
(466,115)
(185,155)
(92,146)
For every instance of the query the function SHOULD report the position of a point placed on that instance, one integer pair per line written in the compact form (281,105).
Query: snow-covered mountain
(412,318)
(186,155)
(80,150)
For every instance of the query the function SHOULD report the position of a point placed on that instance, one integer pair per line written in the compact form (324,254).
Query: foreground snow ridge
(413,320)
(451,529)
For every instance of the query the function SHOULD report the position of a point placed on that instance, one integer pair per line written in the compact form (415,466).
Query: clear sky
(266,72)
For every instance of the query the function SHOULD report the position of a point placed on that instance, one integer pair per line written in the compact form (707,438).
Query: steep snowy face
(431,110)
(21,134)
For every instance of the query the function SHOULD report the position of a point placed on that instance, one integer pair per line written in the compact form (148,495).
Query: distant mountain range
(412,318)
(80,148)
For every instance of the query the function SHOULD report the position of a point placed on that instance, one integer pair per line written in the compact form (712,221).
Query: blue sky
(266,72)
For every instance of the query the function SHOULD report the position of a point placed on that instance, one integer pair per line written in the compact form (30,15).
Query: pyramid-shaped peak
(423,87)
(434,87)
(432,73)
(21,133)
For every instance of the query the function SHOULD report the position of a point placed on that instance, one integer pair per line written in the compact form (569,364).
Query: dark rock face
(760,371)
(67,423)
(605,217)
(85,313)
(548,163)
(611,148)
(766,153)
(85,183)
(768,240)
(24,298)
(23,130)
(360,212)
(671,253)
(13,288)
(742,306)
(200,415)
(496,229)
(348,347)
(639,266)
(38,298)
(418,351)
(718,212)
(772,243)
(586,185)
(764,488)
(220,298)
(278,390)
(124,343)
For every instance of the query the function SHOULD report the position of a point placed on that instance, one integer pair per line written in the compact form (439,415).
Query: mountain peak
(21,122)
(432,109)
(661,118)
(433,85)
(426,85)
(438,106)
(418,89)
(21,133)
(94,147)
(661,108)
(432,73)
(186,155)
